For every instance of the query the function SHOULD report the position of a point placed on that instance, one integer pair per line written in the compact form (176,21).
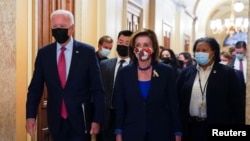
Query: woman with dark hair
(185,59)
(168,57)
(146,103)
(209,93)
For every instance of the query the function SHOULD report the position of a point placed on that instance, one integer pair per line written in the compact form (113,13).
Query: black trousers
(108,133)
(67,133)
(198,130)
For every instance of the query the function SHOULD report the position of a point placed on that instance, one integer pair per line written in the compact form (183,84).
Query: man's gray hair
(63,12)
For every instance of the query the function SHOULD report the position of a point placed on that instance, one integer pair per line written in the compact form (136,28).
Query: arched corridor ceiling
(214,8)
(206,10)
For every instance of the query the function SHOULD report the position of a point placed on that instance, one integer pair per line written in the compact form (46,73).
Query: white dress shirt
(196,95)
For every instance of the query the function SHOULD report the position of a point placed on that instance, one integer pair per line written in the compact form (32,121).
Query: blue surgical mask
(202,58)
(239,56)
(104,52)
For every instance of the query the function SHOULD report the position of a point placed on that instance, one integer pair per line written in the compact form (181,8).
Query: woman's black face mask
(166,60)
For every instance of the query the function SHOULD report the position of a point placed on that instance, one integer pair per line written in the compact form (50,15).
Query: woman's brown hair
(148,33)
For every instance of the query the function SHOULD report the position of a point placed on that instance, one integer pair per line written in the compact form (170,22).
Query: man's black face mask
(60,34)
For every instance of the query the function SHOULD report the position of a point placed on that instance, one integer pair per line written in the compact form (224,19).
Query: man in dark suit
(83,84)
(109,68)
(239,61)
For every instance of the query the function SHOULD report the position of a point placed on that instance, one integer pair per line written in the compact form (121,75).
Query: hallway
(177,24)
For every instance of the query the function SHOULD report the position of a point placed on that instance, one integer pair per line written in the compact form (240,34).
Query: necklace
(144,69)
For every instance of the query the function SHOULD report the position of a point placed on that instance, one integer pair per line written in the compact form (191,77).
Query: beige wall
(95,18)
(166,15)
(24,39)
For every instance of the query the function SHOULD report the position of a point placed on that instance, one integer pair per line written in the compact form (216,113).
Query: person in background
(161,48)
(226,58)
(209,93)
(146,104)
(105,45)
(64,67)
(168,56)
(185,59)
(239,62)
(232,52)
(109,68)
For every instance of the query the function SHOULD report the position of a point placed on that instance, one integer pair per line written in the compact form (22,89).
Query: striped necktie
(241,66)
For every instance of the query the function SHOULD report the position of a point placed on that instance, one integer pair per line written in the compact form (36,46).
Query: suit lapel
(112,65)
(53,66)
(154,82)
(74,61)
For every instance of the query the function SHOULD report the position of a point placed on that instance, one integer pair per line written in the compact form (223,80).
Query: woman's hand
(95,128)
(119,137)
(177,138)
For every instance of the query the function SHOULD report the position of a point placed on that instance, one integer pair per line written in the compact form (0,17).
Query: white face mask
(104,52)
(223,62)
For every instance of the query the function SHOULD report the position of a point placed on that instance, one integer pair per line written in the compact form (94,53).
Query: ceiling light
(238,6)
(230,25)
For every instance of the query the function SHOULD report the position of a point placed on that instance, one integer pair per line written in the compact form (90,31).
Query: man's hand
(95,128)
(31,126)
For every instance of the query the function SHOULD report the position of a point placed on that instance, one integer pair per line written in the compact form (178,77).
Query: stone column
(248,74)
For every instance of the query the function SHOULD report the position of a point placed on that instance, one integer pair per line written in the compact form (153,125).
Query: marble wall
(7,70)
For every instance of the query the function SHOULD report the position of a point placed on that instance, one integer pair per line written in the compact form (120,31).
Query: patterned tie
(121,63)
(241,66)
(62,76)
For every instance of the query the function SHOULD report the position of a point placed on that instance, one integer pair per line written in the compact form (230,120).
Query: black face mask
(122,50)
(60,34)
(181,63)
(166,60)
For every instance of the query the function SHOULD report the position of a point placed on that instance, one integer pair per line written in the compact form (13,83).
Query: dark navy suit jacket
(158,114)
(225,96)
(108,71)
(83,85)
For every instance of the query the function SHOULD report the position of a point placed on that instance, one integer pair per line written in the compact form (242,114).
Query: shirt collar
(68,46)
(127,60)
(208,68)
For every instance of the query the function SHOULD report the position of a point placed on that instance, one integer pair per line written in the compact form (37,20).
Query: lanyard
(202,90)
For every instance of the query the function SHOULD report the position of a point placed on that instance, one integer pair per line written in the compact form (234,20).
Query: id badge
(202,110)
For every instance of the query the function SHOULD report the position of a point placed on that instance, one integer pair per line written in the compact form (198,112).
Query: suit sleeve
(96,87)
(237,99)
(173,102)
(35,89)
(119,101)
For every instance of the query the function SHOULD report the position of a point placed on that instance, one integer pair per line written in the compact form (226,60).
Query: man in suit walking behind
(239,61)
(109,68)
(70,70)
(105,45)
